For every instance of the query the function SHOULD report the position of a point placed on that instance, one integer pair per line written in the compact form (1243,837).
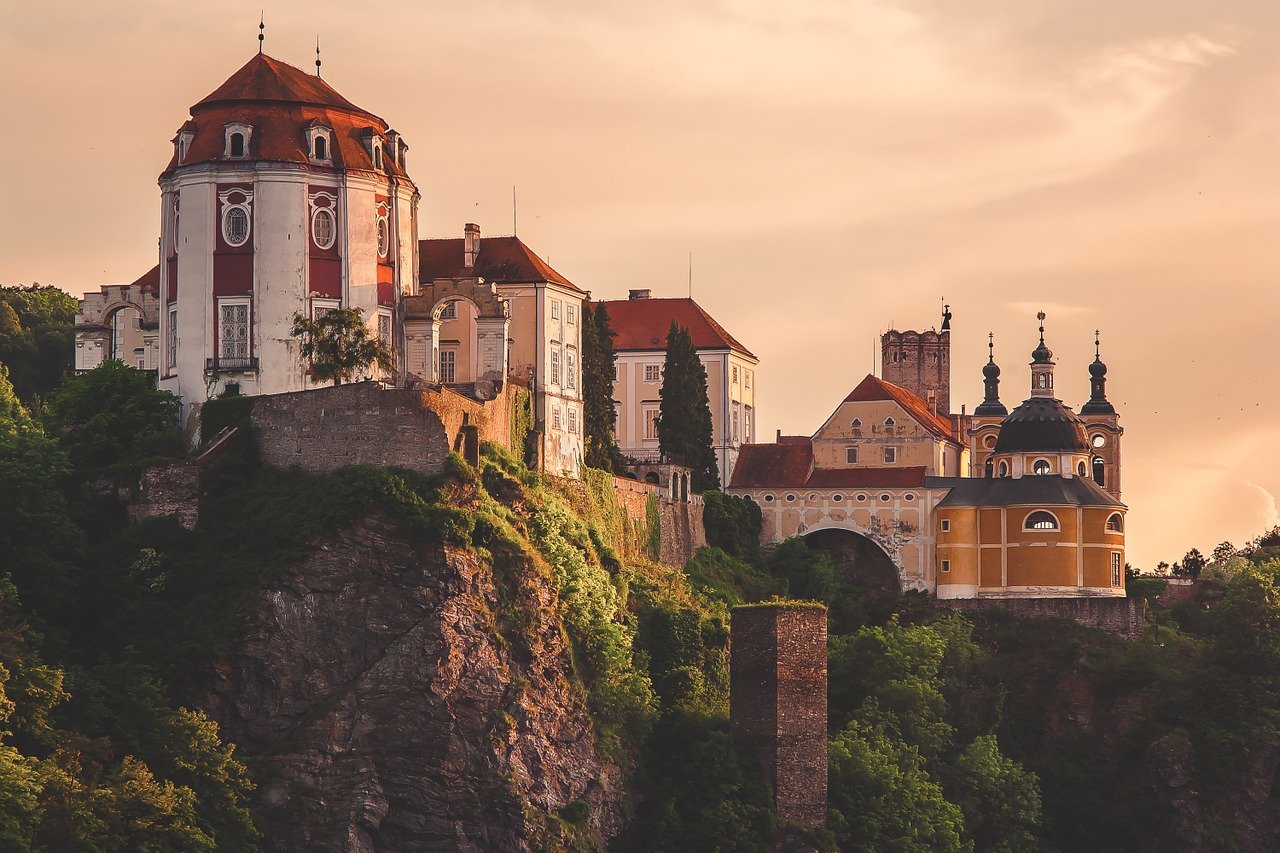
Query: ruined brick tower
(778,706)
(920,362)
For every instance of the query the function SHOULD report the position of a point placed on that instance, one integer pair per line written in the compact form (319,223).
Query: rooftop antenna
(317,56)
(513,210)
(262,26)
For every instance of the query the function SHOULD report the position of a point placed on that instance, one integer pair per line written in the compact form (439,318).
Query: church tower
(921,363)
(281,198)
(984,424)
(1103,424)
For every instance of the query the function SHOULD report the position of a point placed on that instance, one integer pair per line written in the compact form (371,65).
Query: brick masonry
(323,429)
(168,490)
(778,707)
(1123,616)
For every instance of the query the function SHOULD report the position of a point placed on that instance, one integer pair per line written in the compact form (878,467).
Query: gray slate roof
(1047,490)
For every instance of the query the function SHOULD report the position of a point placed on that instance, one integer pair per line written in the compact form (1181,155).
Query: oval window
(837,498)
(768,499)
(908,497)
(384,237)
(322,228)
(1004,468)
(862,497)
(790,498)
(989,441)
(1040,467)
(235,226)
(886,497)
(1099,440)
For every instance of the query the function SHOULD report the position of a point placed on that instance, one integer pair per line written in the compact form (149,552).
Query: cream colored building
(641,324)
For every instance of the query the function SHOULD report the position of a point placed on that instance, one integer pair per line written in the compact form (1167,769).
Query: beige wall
(914,445)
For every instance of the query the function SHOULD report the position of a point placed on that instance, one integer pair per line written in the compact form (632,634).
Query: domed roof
(991,370)
(264,79)
(1042,425)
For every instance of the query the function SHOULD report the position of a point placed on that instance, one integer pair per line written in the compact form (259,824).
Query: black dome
(1097,369)
(991,370)
(1042,425)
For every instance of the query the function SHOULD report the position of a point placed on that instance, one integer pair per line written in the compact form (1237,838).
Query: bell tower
(1103,423)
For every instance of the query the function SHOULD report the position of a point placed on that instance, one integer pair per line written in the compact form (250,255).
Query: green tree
(599,417)
(339,347)
(114,414)
(684,417)
(733,524)
(36,338)
(999,799)
(1193,563)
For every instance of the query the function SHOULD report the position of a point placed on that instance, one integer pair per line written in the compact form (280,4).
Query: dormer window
(321,149)
(377,156)
(237,141)
(319,144)
(182,144)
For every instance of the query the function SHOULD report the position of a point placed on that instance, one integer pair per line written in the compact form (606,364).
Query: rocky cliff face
(385,705)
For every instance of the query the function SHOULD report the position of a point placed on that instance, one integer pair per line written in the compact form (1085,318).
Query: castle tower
(984,424)
(1103,424)
(920,362)
(282,197)
(778,706)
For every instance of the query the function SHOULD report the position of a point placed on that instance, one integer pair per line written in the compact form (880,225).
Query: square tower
(921,363)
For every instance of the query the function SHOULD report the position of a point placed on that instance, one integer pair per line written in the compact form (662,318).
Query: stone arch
(480,359)
(861,559)
(122,342)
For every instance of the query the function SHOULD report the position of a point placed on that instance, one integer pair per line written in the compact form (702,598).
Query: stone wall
(1123,616)
(778,707)
(168,490)
(323,429)
(679,522)
(1178,591)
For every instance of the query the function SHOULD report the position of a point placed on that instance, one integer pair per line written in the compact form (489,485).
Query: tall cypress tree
(684,418)
(598,413)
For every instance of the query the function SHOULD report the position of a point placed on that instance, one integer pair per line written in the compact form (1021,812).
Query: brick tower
(920,362)
(778,706)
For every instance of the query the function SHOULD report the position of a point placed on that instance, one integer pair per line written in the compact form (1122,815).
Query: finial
(317,56)
(262,26)
(991,347)
(1040,317)
(1097,345)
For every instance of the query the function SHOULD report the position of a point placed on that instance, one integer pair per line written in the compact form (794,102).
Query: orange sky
(835,167)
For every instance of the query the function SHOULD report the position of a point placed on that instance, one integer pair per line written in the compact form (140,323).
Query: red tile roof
(875,388)
(264,78)
(790,466)
(501,259)
(642,324)
(149,281)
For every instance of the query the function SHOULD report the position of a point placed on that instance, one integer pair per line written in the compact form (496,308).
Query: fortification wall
(323,429)
(1123,616)
(168,490)
(679,522)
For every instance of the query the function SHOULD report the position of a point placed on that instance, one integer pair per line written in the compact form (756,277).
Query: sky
(835,167)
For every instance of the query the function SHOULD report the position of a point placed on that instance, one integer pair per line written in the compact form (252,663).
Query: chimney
(470,244)
(638,294)
(932,399)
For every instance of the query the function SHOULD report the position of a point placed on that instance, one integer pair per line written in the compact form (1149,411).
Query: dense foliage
(599,416)
(338,346)
(684,415)
(36,339)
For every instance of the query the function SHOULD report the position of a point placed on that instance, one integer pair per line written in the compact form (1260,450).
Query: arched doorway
(862,562)
(126,342)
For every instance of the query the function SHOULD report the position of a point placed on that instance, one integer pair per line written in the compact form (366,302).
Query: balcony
(230,365)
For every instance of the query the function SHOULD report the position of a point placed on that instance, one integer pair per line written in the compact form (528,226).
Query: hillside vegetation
(948,732)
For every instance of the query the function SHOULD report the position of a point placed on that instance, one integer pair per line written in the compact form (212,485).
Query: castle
(993,504)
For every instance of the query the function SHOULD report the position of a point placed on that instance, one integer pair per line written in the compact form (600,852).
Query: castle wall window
(448,366)
(1040,467)
(651,415)
(945,525)
(323,228)
(573,421)
(851,455)
(945,567)
(235,225)
(171,340)
(233,331)
(570,314)
(1115,524)
(1040,520)
(890,455)
(1117,569)
(555,364)
(570,369)
(555,309)
(555,417)
(653,373)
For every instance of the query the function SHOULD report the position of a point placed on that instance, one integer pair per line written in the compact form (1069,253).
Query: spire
(262,26)
(1098,403)
(317,56)
(991,405)
(946,316)
(1041,366)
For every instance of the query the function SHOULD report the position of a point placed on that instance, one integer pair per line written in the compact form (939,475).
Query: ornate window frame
(246,207)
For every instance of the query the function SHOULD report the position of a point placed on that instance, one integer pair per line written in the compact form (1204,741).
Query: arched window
(1115,523)
(1004,468)
(377,157)
(384,237)
(1100,471)
(322,148)
(1040,520)
(1040,467)
(988,470)
(237,145)
(1080,469)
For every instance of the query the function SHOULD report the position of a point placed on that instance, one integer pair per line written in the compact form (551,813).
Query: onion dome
(1042,425)
(991,405)
(1098,403)
(1041,354)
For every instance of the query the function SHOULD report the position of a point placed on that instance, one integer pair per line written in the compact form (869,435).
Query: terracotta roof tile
(501,259)
(642,324)
(790,466)
(866,478)
(264,78)
(149,281)
(875,388)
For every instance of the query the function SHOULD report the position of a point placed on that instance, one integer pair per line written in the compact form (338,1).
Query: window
(837,498)
(735,374)
(857,423)
(569,313)
(384,237)
(791,498)
(851,455)
(653,373)
(233,331)
(1080,469)
(176,242)
(890,455)
(570,370)
(909,497)
(555,364)
(617,371)
(171,344)
(237,145)
(1099,440)
(989,442)
(1117,569)
(747,378)
(235,225)
(555,309)
(449,312)
(746,425)
(448,366)
(1115,524)
(945,567)
(768,499)
(322,149)
(889,421)
(1040,467)
(573,421)
(734,420)
(862,497)
(377,157)
(384,327)
(885,498)
(651,423)
(1004,468)
(945,525)
(322,228)
(320,307)
(988,470)
(1100,471)
(555,417)
(1040,520)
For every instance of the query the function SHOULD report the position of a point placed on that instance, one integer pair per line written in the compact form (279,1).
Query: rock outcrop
(386,704)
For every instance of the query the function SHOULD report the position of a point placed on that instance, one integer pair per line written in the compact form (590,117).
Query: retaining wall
(1123,616)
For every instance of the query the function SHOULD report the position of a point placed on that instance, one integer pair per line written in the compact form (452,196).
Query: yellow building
(889,481)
